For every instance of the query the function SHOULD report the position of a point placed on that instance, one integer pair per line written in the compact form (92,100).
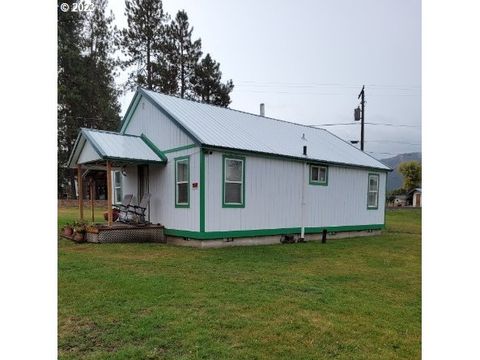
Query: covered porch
(111,152)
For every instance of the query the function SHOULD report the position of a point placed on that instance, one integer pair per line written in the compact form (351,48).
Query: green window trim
(242,191)
(318,182)
(178,160)
(373,207)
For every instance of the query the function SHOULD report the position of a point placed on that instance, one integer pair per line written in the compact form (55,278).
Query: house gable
(146,117)
(88,154)
(98,145)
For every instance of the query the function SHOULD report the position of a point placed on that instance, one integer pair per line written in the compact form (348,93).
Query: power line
(315,93)
(367,123)
(340,124)
(393,142)
(394,125)
(320,84)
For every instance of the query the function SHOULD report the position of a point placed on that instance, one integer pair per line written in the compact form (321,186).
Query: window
(373,183)
(117,187)
(233,181)
(318,175)
(182,181)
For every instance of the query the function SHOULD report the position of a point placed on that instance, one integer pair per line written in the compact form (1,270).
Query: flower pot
(79,236)
(68,231)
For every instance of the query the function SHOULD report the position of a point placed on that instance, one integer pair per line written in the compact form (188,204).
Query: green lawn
(347,299)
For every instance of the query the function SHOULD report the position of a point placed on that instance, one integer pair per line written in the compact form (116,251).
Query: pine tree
(69,106)
(99,40)
(87,96)
(183,52)
(207,85)
(143,43)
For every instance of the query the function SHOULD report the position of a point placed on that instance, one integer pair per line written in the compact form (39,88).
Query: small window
(233,181)
(117,187)
(373,185)
(182,181)
(318,175)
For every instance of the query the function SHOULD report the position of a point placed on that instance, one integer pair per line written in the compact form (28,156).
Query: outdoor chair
(122,208)
(136,213)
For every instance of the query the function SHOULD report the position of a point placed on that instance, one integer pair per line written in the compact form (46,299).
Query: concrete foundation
(262,240)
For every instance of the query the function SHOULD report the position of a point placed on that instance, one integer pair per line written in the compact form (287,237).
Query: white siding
(130,182)
(219,126)
(88,154)
(344,201)
(164,133)
(273,193)
(162,188)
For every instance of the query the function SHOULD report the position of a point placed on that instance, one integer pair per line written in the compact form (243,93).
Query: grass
(347,299)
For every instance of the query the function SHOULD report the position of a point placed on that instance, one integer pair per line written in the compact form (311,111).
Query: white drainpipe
(302,233)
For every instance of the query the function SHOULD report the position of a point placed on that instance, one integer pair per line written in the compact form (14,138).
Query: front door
(143,186)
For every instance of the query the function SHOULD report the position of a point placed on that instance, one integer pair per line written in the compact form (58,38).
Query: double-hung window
(182,181)
(373,186)
(117,187)
(318,175)
(233,181)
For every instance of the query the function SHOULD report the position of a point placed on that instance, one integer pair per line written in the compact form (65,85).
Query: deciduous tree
(412,174)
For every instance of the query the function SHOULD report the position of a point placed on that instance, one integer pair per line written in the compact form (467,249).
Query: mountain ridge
(395,179)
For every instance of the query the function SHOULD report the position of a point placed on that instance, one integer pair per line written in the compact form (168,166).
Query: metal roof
(114,146)
(222,127)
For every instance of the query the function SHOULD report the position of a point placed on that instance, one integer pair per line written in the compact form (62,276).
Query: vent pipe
(262,109)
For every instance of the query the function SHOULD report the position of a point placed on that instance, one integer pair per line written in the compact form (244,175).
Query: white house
(221,174)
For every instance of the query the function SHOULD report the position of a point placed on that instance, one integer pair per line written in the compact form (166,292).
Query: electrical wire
(393,142)
(253,83)
(367,123)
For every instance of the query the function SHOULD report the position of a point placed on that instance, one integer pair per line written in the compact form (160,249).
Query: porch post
(92,199)
(109,192)
(80,190)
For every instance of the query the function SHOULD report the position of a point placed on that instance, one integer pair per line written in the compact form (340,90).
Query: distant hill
(395,179)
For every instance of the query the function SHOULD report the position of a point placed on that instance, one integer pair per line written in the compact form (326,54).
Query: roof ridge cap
(237,110)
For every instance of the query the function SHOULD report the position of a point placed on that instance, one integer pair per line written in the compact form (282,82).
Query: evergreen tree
(70,81)
(183,52)
(144,43)
(99,44)
(86,91)
(207,85)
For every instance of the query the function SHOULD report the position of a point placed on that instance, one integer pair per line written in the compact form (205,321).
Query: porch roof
(94,146)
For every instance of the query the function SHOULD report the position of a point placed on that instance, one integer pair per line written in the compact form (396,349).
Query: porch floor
(122,233)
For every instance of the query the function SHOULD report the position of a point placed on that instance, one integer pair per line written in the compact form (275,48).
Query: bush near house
(347,299)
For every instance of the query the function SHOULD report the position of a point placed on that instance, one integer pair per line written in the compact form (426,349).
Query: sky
(307,61)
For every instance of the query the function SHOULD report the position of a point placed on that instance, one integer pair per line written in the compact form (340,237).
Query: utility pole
(362,103)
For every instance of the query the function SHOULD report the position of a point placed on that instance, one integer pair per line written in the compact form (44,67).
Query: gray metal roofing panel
(114,145)
(218,126)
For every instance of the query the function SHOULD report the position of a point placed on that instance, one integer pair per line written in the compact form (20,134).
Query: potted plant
(79,229)
(68,230)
